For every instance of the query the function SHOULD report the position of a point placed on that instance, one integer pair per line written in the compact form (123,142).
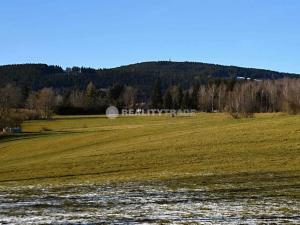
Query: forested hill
(140,75)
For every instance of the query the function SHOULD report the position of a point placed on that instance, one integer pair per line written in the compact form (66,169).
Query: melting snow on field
(146,204)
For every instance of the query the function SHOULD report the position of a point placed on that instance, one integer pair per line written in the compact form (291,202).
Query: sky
(108,33)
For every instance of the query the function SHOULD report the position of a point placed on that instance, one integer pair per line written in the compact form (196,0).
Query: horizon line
(150,61)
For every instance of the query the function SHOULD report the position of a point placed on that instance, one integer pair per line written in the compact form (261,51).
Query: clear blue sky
(108,33)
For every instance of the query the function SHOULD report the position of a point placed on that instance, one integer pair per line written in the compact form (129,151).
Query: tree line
(240,98)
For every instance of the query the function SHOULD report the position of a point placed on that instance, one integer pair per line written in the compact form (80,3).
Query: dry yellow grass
(96,149)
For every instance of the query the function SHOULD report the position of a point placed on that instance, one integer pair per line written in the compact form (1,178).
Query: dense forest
(37,91)
(141,76)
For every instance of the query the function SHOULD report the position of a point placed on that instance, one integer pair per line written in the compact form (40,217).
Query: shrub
(291,107)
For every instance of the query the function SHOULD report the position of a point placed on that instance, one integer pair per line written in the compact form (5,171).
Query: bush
(239,114)
(291,107)
(30,114)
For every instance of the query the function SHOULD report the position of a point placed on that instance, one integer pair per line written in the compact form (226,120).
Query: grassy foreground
(204,149)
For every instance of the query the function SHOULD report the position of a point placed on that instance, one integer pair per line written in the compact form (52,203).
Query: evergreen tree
(194,97)
(186,100)
(115,92)
(177,97)
(90,90)
(91,96)
(168,102)
(156,99)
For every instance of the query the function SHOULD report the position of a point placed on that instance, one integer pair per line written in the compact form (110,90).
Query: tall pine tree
(156,99)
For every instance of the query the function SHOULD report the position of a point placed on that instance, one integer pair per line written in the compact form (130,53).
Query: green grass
(207,149)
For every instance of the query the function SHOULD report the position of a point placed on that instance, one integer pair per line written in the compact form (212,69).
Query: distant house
(243,78)
(12,130)
(247,78)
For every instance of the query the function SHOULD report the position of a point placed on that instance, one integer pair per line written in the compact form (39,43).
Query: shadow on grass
(273,183)
(71,117)
(32,135)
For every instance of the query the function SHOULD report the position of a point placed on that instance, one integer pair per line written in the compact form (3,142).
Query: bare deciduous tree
(129,97)
(46,102)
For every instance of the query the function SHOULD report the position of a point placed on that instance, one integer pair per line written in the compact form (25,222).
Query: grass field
(208,168)
(198,148)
